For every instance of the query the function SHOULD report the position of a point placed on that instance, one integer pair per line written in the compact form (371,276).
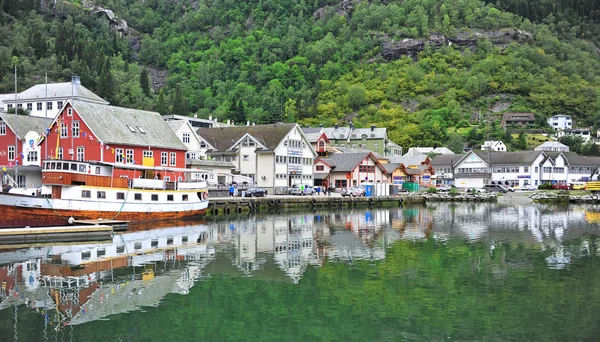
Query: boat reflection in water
(74,284)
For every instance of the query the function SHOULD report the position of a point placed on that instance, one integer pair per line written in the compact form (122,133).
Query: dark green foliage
(273,61)
(145,82)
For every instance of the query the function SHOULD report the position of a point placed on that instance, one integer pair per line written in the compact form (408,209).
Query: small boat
(76,190)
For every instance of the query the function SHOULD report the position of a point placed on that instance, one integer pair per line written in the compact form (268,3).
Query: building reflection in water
(74,284)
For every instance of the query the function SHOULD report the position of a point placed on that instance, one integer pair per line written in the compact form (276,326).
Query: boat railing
(191,185)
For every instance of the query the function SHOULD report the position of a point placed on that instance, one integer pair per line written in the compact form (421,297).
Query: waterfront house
(443,168)
(472,171)
(517,119)
(585,133)
(196,146)
(353,169)
(47,100)
(318,140)
(373,139)
(514,169)
(21,162)
(215,173)
(85,131)
(560,122)
(273,157)
(571,167)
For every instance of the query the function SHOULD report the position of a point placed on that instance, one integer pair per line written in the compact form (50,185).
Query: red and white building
(86,131)
(350,169)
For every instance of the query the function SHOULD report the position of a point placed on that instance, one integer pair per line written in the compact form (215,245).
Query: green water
(467,272)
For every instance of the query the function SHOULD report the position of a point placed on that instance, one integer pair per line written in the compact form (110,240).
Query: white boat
(74,190)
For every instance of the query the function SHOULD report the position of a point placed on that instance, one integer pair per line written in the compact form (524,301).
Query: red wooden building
(126,137)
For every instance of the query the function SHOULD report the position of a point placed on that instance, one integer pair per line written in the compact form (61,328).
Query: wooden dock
(117,225)
(14,236)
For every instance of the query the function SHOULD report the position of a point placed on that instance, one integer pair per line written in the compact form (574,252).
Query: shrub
(453,192)
(431,190)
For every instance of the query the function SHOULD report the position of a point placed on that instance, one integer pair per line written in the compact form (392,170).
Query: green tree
(357,95)
(455,143)
(161,105)
(106,84)
(145,82)
(178,106)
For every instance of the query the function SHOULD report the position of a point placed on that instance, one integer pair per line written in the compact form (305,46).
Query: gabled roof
(176,125)
(4,97)
(224,138)
(573,159)
(412,157)
(62,90)
(508,158)
(390,167)
(357,150)
(446,160)
(549,145)
(110,125)
(346,162)
(368,133)
(518,117)
(24,123)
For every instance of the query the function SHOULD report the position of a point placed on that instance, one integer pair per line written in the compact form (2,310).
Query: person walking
(318,190)
(231,190)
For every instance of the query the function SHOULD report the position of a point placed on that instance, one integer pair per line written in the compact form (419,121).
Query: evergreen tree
(178,105)
(161,105)
(106,84)
(145,82)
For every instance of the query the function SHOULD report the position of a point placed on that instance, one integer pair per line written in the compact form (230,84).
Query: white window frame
(2,128)
(39,106)
(148,154)
(29,106)
(173,159)
(75,129)
(49,105)
(164,158)
(80,153)
(11,153)
(70,112)
(64,130)
(60,153)
(186,138)
(119,155)
(59,104)
(129,156)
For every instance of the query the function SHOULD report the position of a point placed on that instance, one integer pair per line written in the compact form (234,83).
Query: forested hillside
(417,67)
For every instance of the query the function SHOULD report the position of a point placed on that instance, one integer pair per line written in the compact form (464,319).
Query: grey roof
(446,159)
(224,138)
(312,133)
(357,150)
(109,125)
(176,125)
(551,145)
(575,159)
(412,157)
(356,133)
(4,97)
(346,162)
(390,167)
(518,117)
(62,90)
(25,123)
(210,163)
(508,158)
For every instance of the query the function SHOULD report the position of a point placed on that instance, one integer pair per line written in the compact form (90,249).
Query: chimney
(75,82)
(321,125)
(372,128)
(335,126)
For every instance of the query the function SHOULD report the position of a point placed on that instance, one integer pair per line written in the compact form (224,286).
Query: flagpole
(46,115)
(15,60)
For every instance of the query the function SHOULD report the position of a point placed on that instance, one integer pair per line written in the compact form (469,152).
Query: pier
(14,236)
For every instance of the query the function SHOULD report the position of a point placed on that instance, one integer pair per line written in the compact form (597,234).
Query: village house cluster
(67,121)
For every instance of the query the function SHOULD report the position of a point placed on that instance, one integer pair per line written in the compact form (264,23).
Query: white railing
(191,185)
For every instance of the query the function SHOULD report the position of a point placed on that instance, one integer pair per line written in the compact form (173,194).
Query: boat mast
(15,61)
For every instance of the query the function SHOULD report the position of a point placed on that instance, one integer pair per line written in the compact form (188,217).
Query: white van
(296,189)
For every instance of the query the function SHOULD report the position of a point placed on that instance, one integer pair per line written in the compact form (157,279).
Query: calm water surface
(442,272)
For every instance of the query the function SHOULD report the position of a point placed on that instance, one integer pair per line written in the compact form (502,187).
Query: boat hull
(21,211)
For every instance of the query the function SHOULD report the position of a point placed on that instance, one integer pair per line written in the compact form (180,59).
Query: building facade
(559,122)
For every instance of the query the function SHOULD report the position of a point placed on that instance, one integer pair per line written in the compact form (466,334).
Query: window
(2,128)
(154,197)
(320,167)
(101,194)
(169,240)
(59,104)
(70,112)
(101,252)
(11,153)
(137,245)
(154,243)
(86,194)
(147,154)
(82,168)
(21,181)
(120,195)
(80,153)
(536,169)
(30,106)
(340,183)
(60,153)
(121,249)
(170,198)
(526,169)
(246,157)
(97,171)
(184,198)
(163,158)
(130,128)
(19,105)
(186,138)
(75,130)
(49,105)
(173,158)
(32,156)
(141,130)
(39,106)
(129,156)
(184,239)
(64,130)
(137,197)
(119,155)
(10,106)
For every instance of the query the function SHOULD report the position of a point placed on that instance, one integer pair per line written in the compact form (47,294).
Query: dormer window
(141,130)
(131,128)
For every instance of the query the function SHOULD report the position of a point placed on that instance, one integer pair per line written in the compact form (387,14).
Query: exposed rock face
(157,78)
(411,47)
(343,9)
(116,25)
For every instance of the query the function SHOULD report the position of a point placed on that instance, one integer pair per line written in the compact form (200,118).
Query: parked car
(256,192)
(578,185)
(561,186)
(496,188)
(444,187)
(302,189)
(528,187)
(353,192)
